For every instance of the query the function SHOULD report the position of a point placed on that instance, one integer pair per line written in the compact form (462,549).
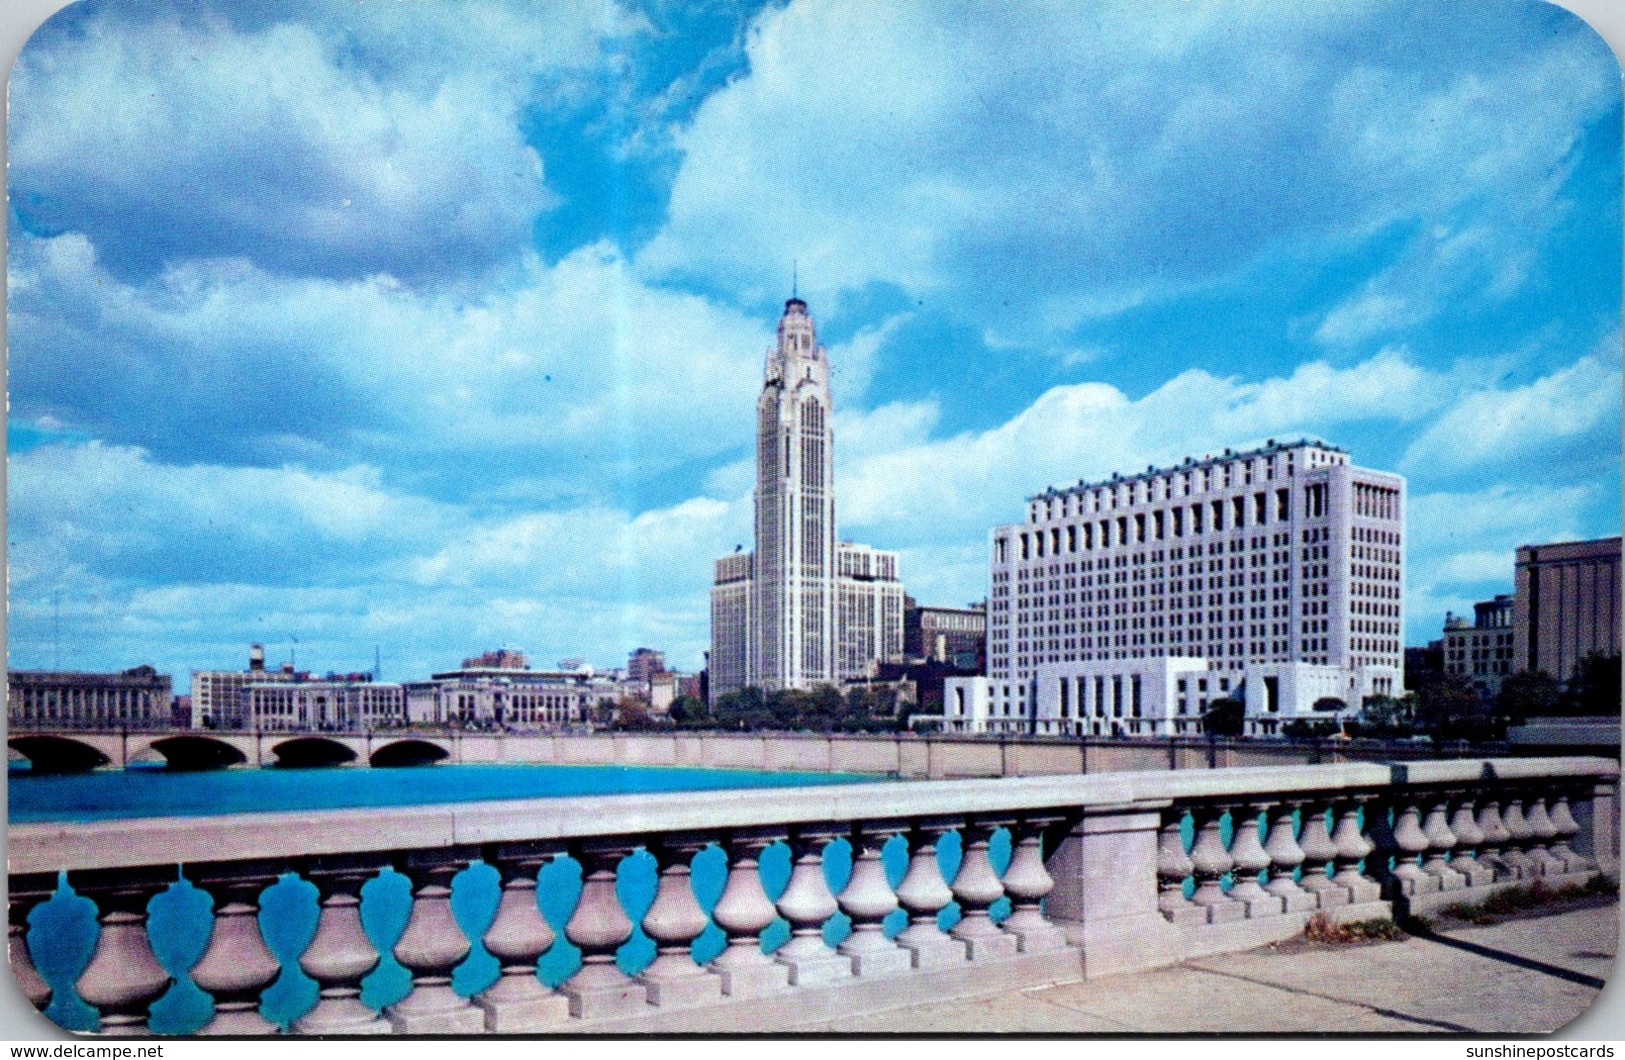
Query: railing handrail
(157,841)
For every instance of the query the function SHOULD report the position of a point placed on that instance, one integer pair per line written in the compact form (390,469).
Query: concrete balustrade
(1101,879)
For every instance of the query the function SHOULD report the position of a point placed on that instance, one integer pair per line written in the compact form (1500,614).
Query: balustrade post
(1440,842)
(237,966)
(599,926)
(123,977)
(1495,839)
(806,903)
(1318,854)
(1027,881)
(674,921)
(1567,828)
(1354,847)
(1519,836)
(1599,824)
(924,893)
(23,892)
(1286,855)
(1469,837)
(1210,861)
(868,899)
(430,947)
(976,887)
(1249,860)
(1541,835)
(744,911)
(517,938)
(1173,867)
(340,955)
(1405,841)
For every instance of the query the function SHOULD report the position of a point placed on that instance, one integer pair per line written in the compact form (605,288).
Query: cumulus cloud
(367,141)
(579,366)
(1573,410)
(1045,167)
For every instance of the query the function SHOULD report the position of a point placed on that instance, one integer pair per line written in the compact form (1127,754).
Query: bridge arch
(307,752)
(58,754)
(193,753)
(408,752)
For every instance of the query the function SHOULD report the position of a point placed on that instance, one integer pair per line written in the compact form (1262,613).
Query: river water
(62,931)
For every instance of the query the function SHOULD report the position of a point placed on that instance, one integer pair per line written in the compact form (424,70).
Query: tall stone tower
(801,610)
(794,609)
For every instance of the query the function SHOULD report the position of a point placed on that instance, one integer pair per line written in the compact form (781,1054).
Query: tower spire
(795,268)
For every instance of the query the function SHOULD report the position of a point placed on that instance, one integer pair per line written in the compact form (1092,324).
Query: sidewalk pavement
(1526,976)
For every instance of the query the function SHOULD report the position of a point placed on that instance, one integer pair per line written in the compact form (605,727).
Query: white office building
(802,609)
(1125,607)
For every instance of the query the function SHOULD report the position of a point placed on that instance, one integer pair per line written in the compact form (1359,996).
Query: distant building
(644,663)
(800,610)
(1566,605)
(662,693)
(1274,576)
(1423,663)
(1480,651)
(500,659)
(138,698)
(217,701)
(350,704)
(946,634)
(503,698)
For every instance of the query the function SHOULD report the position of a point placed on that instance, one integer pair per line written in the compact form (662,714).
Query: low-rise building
(956,635)
(217,699)
(348,703)
(508,698)
(137,698)
(1482,650)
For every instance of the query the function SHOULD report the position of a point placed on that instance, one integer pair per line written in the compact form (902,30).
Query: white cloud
(384,140)
(1045,167)
(1576,404)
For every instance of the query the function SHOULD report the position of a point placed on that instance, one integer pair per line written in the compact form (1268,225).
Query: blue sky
(439,327)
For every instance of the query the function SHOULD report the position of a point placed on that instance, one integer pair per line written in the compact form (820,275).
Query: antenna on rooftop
(56,631)
(795,278)
(377,662)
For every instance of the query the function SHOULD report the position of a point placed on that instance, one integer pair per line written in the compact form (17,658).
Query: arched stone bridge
(74,752)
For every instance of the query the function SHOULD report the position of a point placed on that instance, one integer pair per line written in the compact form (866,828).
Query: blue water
(62,930)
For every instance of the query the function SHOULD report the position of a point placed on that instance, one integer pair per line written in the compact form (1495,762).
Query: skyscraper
(802,609)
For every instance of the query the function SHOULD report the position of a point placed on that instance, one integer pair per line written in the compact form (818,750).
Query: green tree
(1532,694)
(690,712)
(1594,689)
(1224,717)
(1329,705)
(1446,697)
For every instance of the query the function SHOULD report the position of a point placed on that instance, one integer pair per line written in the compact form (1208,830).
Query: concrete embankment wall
(921,757)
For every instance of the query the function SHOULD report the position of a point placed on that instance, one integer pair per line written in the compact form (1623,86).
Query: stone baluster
(1209,862)
(674,921)
(1318,854)
(599,926)
(517,938)
(237,966)
(868,899)
(23,892)
(806,903)
(1541,835)
(1249,861)
(1173,866)
(1496,837)
(976,887)
(1405,841)
(1027,882)
(1441,841)
(1567,828)
(744,911)
(340,955)
(430,947)
(1469,837)
(1353,847)
(1285,856)
(123,977)
(1519,836)
(924,893)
